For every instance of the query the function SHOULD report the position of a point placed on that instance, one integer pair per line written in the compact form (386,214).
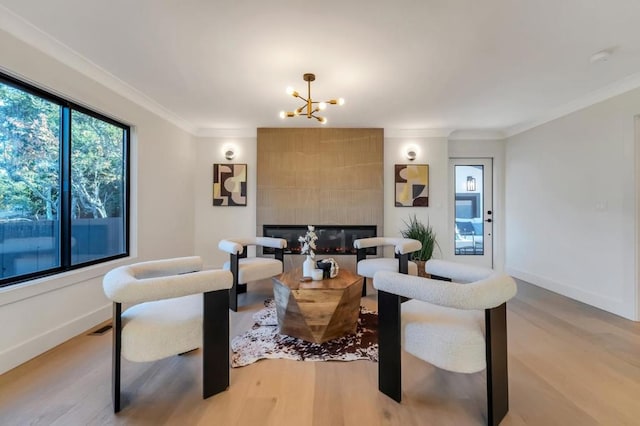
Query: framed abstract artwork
(412,185)
(229,184)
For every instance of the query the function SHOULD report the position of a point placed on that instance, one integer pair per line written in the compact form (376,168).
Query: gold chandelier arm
(322,120)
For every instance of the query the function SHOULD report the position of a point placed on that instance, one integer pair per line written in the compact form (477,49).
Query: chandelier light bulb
(322,120)
(341,101)
(283,114)
(322,106)
(290,90)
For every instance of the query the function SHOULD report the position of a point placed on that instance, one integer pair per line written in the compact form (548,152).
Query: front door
(472,198)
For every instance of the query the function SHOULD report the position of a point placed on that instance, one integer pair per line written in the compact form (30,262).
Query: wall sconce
(471,184)
(411,154)
(229,154)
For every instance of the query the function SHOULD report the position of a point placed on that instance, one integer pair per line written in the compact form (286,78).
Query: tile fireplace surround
(320,176)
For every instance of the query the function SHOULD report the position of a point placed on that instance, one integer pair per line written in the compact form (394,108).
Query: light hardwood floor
(569,364)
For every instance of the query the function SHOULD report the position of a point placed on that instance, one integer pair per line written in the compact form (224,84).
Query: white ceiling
(439,65)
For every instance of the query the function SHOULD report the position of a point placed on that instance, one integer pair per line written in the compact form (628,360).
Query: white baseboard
(23,352)
(598,300)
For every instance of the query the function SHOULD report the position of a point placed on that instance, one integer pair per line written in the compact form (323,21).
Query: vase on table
(308,267)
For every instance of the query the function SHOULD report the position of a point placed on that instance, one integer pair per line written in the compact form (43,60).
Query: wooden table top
(291,279)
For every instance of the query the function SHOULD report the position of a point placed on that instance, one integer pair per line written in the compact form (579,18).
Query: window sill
(36,287)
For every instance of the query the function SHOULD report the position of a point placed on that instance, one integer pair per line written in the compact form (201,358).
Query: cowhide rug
(264,341)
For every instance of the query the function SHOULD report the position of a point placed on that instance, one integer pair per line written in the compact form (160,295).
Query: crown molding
(30,34)
(209,132)
(617,88)
(477,134)
(416,133)
(450,134)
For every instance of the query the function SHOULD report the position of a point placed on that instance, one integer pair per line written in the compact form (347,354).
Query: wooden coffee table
(317,311)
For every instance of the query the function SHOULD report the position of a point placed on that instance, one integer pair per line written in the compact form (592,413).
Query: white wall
(432,151)
(213,224)
(570,205)
(43,313)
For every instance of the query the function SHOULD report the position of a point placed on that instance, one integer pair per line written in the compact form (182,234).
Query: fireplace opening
(332,239)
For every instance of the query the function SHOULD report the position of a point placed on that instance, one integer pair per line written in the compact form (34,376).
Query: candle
(316,274)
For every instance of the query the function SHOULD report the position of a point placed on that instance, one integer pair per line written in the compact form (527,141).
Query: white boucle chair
(444,324)
(403,247)
(247,269)
(177,307)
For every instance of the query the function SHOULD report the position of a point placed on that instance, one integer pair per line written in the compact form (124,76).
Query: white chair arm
(236,245)
(369,242)
(407,245)
(483,294)
(163,279)
(278,243)
(164,267)
(231,246)
(458,272)
(402,245)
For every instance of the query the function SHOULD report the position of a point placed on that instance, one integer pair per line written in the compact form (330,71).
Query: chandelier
(310,107)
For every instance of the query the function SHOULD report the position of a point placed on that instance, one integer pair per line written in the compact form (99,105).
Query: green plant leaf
(416,230)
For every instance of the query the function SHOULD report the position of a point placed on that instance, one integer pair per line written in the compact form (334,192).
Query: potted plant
(417,230)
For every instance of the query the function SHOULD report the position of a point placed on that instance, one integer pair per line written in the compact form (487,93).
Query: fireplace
(332,239)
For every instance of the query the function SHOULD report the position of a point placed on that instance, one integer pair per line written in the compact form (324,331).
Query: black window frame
(67,108)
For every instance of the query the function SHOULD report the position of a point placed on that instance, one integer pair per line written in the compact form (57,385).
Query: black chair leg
(403,263)
(116,360)
(233,292)
(497,371)
(389,351)
(361,254)
(215,345)
(233,298)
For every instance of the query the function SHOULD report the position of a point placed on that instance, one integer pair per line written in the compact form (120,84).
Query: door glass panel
(469,226)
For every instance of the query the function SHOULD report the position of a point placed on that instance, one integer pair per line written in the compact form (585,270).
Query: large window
(63,184)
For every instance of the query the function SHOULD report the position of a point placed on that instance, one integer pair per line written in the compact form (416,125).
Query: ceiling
(436,65)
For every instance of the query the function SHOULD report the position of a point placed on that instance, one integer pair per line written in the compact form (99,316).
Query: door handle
(488,220)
